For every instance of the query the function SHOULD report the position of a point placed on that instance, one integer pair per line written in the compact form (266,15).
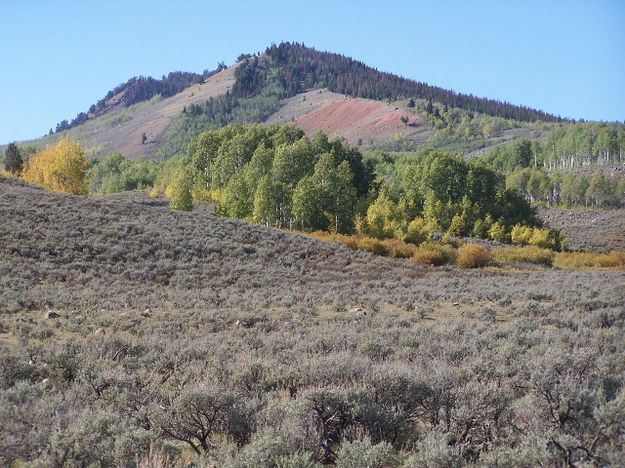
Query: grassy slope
(131,251)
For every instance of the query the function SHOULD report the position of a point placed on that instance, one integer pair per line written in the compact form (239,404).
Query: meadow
(131,335)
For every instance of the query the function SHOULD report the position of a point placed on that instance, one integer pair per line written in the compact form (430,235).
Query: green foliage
(181,198)
(13,161)
(360,453)
(115,173)
(497,232)
(277,176)
(458,226)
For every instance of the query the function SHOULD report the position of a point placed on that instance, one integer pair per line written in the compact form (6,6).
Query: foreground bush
(473,256)
(534,255)
(590,260)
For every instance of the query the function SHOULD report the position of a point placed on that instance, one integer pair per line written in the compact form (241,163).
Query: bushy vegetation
(565,147)
(60,167)
(570,189)
(278,177)
(114,173)
(473,256)
(433,191)
(536,255)
(545,171)
(131,334)
(216,113)
(590,259)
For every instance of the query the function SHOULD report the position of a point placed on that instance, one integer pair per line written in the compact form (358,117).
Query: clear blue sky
(566,57)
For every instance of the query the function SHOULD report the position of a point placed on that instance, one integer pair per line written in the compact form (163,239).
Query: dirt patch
(589,229)
(357,120)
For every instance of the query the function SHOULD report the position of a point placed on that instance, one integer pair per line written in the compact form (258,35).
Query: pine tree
(13,161)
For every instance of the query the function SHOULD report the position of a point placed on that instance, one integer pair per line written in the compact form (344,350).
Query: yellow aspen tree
(60,167)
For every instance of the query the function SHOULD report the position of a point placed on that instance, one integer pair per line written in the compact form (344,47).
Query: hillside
(589,229)
(355,119)
(272,87)
(120,128)
(128,325)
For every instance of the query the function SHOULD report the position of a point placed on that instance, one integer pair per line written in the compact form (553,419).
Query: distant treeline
(569,190)
(296,68)
(544,170)
(141,88)
(566,147)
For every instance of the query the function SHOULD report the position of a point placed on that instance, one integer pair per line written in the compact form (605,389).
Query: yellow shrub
(416,231)
(542,238)
(399,249)
(60,167)
(611,260)
(533,255)
(590,260)
(432,254)
(520,235)
(373,246)
(497,232)
(473,256)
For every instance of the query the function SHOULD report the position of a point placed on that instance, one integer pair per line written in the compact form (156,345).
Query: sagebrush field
(131,335)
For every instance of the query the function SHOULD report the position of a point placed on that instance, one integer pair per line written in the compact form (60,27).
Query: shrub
(473,256)
(433,254)
(520,235)
(533,255)
(373,246)
(399,249)
(458,226)
(361,453)
(181,198)
(497,232)
(590,260)
(60,167)
(416,232)
(481,227)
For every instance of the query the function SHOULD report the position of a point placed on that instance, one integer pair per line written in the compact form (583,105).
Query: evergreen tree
(13,161)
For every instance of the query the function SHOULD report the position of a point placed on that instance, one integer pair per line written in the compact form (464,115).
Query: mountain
(156,119)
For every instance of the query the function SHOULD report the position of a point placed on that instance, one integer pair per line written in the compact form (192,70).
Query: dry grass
(434,254)
(534,255)
(614,260)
